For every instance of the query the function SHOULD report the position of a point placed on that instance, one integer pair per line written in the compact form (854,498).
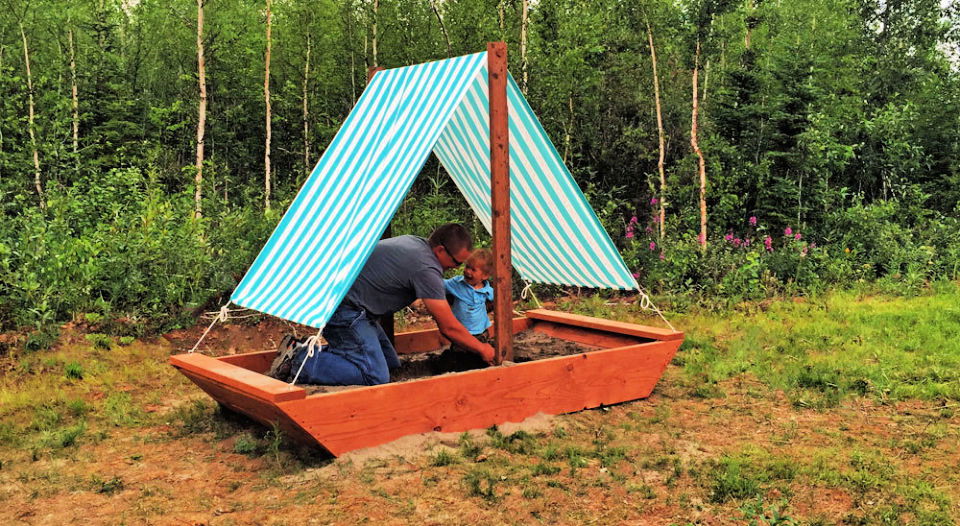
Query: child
(468,295)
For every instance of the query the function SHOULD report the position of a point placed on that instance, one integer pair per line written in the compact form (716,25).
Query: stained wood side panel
(643,331)
(369,416)
(595,338)
(243,380)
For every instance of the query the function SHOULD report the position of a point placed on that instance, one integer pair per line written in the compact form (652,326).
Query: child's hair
(482,259)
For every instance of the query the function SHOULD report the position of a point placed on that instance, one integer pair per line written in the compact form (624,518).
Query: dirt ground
(642,462)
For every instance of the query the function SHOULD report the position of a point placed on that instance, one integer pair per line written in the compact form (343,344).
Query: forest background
(733,150)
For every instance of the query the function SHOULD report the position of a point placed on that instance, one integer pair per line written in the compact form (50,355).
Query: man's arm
(454,331)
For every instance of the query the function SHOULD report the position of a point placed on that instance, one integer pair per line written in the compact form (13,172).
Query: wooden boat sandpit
(627,364)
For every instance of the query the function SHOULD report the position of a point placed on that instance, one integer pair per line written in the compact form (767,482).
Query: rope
(528,290)
(647,304)
(221,316)
(312,343)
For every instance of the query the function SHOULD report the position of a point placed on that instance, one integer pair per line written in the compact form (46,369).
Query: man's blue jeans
(358,353)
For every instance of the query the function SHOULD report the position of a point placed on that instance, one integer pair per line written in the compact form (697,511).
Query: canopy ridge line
(223,315)
(313,343)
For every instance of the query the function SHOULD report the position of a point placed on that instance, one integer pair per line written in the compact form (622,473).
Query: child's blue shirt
(470,304)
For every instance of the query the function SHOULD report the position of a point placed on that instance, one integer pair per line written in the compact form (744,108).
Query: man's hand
(488,353)
(454,331)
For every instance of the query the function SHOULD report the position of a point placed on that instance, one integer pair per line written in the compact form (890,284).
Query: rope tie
(528,291)
(647,304)
(313,345)
(222,316)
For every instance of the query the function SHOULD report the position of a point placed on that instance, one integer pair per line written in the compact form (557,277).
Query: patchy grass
(840,409)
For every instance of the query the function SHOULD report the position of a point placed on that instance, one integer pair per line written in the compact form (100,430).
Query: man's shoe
(283,363)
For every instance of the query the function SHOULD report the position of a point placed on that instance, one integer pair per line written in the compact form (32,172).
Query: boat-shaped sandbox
(627,364)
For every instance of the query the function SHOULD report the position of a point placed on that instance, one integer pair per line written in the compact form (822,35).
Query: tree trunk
(523,44)
(443,29)
(696,148)
(266,98)
(501,17)
(74,99)
(201,111)
(373,38)
(660,134)
(30,122)
(306,108)
(568,131)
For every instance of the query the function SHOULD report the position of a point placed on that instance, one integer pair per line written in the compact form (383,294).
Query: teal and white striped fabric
(327,234)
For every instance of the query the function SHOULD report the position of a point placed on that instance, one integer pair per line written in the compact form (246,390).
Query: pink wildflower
(768,243)
(737,242)
(635,275)
(797,236)
(656,218)
(753,220)
(649,229)
(653,246)
(654,201)
(788,231)
(746,242)
(728,237)
(629,234)
(662,257)
(633,220)
(702,239)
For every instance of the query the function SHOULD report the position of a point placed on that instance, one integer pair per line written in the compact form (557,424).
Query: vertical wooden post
(386,321)
(500,200)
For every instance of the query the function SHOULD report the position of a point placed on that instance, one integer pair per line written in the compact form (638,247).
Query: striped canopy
(330,229)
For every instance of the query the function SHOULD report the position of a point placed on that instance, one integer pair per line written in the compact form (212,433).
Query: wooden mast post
(500,201)
(386,321)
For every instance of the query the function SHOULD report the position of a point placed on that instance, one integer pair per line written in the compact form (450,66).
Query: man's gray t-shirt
(400,270)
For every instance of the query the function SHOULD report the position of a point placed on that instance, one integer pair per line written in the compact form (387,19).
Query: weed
(643,490)
(99,341)
(246,444)
(730,481)
(443,457)
(78,407)
(126,340)
(63,437)
(74,371)
(107,487)
(519,442)
(544,469)
(41,339)
(481,483)
(469,448)
(575,457)
(756,513)
(531,493)
(120,410)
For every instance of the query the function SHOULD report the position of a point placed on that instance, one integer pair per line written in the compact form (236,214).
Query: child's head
(478,266)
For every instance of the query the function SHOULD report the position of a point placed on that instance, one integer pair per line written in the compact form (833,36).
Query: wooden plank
(369,416)
(596,338)
(258,362)
(643,331)
(243,380)
(430,339)
(500,199)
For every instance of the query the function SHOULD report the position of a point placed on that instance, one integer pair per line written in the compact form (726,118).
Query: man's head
(451,244)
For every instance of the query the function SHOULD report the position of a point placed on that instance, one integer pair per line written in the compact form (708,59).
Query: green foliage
(809,118)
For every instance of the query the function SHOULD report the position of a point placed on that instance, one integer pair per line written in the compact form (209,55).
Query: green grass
(824,350)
